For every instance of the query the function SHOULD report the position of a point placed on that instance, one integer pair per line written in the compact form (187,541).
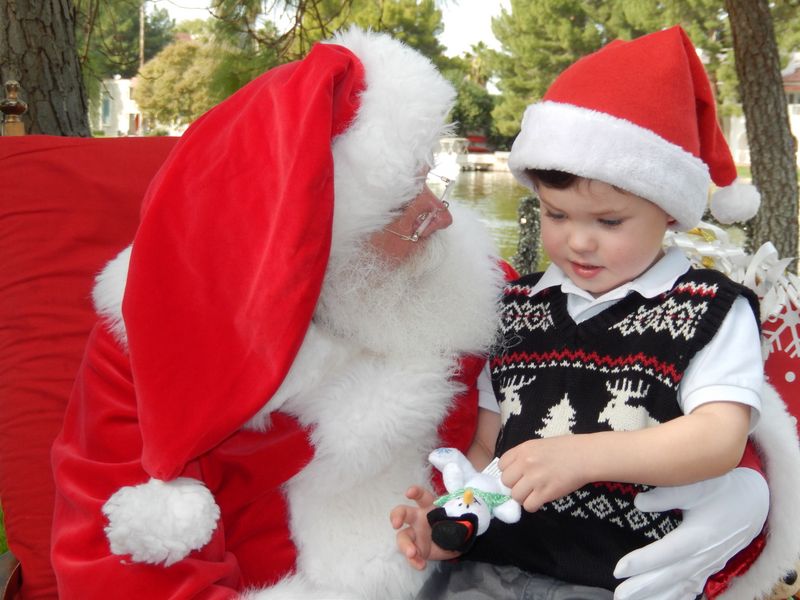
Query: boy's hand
(542,470)
(414,541)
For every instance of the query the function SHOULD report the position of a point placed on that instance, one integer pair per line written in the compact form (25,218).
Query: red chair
(68,205)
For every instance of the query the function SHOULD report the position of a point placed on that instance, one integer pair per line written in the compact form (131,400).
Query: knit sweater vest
(618,370)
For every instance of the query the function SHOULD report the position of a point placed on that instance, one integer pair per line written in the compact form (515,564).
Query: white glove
(720,517)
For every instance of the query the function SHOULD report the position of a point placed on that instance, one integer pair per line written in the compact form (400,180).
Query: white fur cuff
(160,522)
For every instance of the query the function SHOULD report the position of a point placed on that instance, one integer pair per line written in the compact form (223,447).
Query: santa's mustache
(404,309)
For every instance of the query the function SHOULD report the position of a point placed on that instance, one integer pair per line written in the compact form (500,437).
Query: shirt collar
(654,281)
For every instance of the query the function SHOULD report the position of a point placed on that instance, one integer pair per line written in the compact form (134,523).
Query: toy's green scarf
(492,499)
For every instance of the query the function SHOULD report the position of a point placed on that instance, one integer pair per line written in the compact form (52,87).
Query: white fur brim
(160,522)
(109,288)
(379,161)
(777,441)
(599,146)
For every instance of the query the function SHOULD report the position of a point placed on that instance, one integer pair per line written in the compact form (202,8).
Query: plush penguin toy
(472,500)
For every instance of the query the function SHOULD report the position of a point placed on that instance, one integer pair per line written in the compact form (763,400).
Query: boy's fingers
(421,496)
(408,548)
(398,516)
(532,503)
(414,492)
(406,541)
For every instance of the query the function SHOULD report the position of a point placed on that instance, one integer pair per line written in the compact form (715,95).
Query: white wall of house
(119,114)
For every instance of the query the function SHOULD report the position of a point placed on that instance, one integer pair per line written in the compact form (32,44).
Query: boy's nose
(580,240)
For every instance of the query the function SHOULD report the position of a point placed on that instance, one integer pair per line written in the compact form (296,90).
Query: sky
(466,22)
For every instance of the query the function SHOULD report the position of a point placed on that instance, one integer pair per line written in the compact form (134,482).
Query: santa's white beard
(372,382)
(442,300)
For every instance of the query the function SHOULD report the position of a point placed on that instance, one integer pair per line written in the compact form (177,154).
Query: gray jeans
(467,580)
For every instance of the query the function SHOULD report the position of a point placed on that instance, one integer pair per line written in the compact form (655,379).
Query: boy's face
(599,236)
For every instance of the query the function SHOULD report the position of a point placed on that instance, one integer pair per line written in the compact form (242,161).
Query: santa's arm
(718,538)
(776,440)
(97,454)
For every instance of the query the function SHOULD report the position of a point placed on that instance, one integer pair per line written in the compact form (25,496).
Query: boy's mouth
(585,270)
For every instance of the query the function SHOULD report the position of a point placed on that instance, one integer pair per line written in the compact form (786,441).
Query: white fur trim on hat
(379,161)
(735,203)
(600,146)
(109,288)
(160,522)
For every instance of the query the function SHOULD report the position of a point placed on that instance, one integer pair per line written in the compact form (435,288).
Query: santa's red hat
(227,265)
(639,115)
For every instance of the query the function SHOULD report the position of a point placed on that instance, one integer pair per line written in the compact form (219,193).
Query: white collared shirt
(729,368)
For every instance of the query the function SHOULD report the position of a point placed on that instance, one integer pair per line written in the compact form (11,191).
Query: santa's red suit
(260,391)
(218,438)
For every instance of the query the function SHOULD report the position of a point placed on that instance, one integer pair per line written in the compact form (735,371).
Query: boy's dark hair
(551,178)
(559,180)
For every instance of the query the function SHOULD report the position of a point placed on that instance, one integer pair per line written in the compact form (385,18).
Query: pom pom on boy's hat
(639,115)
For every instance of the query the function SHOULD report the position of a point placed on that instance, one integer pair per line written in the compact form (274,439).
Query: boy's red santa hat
(639,115)
(228,262)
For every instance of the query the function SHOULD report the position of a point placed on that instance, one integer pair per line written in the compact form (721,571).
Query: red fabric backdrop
(67,206)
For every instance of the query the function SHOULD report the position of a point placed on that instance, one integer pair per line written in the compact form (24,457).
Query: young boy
(619,367)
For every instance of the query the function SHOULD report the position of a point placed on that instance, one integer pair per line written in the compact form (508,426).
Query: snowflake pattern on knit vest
(619,370)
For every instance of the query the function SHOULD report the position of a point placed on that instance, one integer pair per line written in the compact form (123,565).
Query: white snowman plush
(473,498)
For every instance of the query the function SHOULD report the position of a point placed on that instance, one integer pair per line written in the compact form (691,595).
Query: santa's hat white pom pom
(160,522)
(735,203)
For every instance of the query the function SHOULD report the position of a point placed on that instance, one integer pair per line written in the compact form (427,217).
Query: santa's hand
(720,517)
(414,541)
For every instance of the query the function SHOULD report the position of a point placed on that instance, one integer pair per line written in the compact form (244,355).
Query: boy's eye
(610,222)
(554,215)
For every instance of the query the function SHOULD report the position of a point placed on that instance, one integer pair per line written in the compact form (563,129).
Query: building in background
(119,115)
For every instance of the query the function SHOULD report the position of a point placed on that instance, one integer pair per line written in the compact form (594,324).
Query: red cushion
(783,363)
(67,206)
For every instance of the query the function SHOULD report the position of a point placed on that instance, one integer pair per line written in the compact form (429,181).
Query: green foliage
(188,78)
(415,22)
(173,87)
(107,39)
(786,20)
(473,108)
(3,540)
(108,36)
(239,44)
(540,38)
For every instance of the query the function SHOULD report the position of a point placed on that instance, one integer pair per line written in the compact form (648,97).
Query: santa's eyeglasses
(426,218)
(448,186)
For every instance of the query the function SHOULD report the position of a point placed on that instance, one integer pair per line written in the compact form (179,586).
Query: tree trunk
(772,146)
(37,48)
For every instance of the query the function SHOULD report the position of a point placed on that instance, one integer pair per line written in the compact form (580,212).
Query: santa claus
(281,347)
